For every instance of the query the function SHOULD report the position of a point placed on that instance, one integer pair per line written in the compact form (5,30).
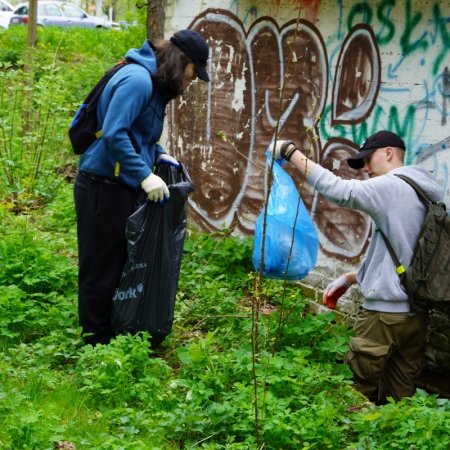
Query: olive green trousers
(386,355)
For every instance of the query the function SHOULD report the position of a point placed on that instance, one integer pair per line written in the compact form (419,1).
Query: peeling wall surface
(325,74)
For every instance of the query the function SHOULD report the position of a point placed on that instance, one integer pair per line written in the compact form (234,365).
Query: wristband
(287,152)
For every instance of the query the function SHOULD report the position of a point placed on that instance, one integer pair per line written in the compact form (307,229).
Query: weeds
(198,391)
(29,155)
(35,114)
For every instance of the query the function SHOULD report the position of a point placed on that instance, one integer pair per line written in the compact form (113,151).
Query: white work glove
(284,149)
(334,291)
(155,188)
(164,158)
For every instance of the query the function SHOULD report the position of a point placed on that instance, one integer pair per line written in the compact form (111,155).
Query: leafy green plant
(121,372)
(34,262)
(420,422)
(37,281)
(222,263)
(35,112)
(29,156)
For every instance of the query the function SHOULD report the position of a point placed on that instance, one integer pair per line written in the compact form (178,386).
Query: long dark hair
(171,65)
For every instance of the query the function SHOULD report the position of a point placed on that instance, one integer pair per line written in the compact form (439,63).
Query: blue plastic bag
(281,228)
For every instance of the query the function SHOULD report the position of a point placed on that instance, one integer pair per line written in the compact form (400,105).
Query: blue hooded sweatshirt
(131,116)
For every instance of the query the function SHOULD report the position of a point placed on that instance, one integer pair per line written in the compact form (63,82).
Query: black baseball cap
(194,45)
(378,140)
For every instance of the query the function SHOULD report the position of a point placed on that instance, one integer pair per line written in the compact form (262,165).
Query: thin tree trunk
(32,24)
(30,62)
(155,19)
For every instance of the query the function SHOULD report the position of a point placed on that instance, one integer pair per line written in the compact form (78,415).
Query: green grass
(200,390)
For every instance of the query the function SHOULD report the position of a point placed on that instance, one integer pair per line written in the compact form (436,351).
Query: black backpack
(83,130)
(427,279)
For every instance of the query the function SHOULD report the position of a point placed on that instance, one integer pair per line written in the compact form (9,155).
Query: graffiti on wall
(277,82)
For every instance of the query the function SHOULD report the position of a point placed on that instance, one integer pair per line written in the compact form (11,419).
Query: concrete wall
(326,74)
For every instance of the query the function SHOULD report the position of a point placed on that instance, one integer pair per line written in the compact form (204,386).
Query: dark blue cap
(194,45)
(378,140)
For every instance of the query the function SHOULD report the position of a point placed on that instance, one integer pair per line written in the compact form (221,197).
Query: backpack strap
(399,267)
(405,274)
(416,187)
(92,98)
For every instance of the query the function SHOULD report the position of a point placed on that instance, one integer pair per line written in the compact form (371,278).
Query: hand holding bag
(145,297)
(285,228)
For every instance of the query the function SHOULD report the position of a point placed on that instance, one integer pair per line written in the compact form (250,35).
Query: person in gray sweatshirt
(386,354)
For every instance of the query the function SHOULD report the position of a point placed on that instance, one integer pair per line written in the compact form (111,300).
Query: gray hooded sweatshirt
(397,211)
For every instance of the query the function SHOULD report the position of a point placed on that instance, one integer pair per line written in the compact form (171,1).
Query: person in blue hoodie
(386,354)
(116,171)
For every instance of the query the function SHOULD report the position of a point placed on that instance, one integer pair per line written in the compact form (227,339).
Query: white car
(59,14)
(6,11)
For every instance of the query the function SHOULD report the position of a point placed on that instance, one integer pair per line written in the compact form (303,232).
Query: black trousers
(102,208)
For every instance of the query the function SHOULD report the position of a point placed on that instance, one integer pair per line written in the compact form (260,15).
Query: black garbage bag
(145,297)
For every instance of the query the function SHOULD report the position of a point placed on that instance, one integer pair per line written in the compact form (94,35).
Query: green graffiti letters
(359,133)
(441,24)
(360,9)
(384,18)
(410,24)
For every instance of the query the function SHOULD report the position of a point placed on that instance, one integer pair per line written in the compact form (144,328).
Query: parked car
(6,11)
(58,13)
